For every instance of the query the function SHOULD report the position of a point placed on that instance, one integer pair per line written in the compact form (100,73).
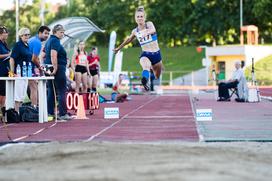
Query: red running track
(144,118)
(266,92)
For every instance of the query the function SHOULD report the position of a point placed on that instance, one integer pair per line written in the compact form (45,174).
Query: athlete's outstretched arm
(127,41)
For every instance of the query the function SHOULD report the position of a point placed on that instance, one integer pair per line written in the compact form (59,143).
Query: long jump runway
(143,119)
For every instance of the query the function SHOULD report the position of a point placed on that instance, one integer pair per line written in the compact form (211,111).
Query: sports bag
(29,114)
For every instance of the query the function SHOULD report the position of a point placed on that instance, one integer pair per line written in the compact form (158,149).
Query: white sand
(126,161)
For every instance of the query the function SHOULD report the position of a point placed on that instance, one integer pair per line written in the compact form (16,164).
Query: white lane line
(193,107)
(20,138)
(32,134)
(105,129)
(157,117)
(6,125)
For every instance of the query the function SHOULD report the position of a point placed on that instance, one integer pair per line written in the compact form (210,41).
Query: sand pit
(127,161)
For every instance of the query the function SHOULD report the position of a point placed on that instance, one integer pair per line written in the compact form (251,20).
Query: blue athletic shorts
(154,57)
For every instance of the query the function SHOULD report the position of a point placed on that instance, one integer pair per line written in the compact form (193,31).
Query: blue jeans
(60,87)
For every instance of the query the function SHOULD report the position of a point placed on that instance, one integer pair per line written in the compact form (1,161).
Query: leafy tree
(178,22)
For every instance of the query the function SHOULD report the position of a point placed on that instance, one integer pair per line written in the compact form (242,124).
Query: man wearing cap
(56,57)
(35,46)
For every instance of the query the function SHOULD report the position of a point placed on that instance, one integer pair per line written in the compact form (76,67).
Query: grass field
(174,59)
(182,60)
(178,60)
(263,69)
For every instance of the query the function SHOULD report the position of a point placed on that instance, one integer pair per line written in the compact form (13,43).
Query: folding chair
(234,91)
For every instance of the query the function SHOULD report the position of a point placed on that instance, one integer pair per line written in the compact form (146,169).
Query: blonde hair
(23,31)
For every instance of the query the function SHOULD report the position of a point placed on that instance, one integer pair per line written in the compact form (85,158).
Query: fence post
(192,81)
(171,78)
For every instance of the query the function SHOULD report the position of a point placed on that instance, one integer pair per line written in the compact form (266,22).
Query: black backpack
(29,113)
(12,116)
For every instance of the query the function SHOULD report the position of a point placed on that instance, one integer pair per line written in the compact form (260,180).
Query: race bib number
(82,59)
(145,39)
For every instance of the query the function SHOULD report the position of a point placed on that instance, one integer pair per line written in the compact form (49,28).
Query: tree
(178,22)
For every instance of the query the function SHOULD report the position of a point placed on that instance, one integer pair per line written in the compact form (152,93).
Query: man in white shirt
(223,87)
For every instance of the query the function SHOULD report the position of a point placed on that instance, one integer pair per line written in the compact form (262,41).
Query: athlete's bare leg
(146,65)
(90,82)
(78,81)
(157,69)
(94,82)
(84,82)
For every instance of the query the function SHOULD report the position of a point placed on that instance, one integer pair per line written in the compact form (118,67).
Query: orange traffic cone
(81,110)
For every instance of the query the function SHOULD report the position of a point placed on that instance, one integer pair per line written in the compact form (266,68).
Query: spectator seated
(241,91)
(237,85)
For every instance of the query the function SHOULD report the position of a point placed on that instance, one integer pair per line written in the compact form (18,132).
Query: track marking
(124,117)
(32,134)
(157,117)
(6,125)
(193,107)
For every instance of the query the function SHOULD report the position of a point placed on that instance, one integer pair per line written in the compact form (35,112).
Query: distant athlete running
(146,34)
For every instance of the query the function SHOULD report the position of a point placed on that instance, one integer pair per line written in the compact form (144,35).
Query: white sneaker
(65,117)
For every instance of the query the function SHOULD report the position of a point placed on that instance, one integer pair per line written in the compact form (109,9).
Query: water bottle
(18,70)
(29,69)
(24,69)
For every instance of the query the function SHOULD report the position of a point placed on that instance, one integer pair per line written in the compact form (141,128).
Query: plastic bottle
(24,69)
(29,69)
(18,70)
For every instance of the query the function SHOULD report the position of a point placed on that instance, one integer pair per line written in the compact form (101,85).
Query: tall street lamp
(241,13)
(17,3)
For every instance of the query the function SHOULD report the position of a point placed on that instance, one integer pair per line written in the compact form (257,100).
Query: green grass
(263,69)
(174,59)
(180,60)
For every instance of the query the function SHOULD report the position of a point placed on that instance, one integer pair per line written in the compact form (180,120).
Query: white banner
(118,65)
(111,47)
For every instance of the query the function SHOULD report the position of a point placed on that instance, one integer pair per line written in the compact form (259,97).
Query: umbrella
(76,28)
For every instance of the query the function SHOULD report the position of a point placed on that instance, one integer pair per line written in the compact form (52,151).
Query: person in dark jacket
(56,58)
(4,66)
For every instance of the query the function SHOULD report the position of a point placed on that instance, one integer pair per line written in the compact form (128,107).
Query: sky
(8,4)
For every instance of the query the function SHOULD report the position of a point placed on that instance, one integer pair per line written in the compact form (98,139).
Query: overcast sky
(8,4)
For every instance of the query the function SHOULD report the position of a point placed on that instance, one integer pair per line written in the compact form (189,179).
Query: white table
(10,84)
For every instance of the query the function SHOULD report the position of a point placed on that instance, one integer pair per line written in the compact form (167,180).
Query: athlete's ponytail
(140,9)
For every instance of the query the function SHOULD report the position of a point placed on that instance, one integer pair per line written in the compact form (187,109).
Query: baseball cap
(58,27)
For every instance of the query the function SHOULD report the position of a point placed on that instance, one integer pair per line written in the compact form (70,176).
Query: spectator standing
(4,65)
(80,65)
(35,46)
(94,66)
(20,53)
(56,57)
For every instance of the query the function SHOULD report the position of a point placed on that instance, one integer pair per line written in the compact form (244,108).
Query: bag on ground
(29,114)
(12,116)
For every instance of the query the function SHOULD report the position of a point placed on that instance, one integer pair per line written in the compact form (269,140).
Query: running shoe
(65,117)
(144,82)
